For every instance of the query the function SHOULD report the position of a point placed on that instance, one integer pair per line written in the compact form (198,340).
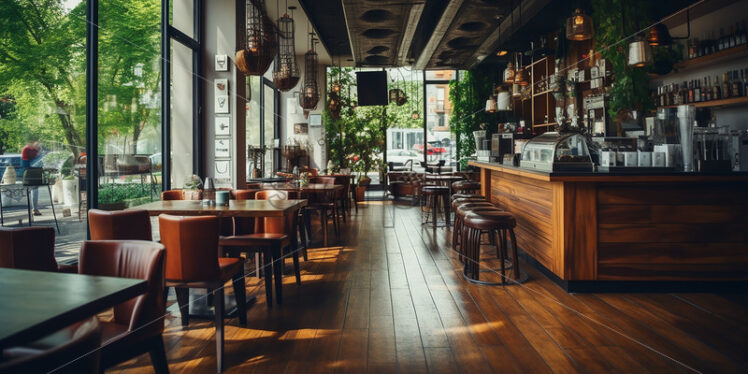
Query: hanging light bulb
(640,53)
(579,26)
(520,75)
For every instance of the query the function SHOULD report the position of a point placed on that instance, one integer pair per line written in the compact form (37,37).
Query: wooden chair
(192,261)
(120,225)
(30,248)
(171,195)
(138,324)
(271,236)
(72,350)
(325,205)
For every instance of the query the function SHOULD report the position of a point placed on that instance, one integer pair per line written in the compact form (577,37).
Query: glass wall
(129,102)
(405,122)
(181,123)
(43,116)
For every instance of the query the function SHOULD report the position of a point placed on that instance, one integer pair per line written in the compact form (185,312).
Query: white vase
(57,195)
(70,193)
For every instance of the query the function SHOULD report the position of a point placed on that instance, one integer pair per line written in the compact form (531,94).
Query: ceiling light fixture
(579,26)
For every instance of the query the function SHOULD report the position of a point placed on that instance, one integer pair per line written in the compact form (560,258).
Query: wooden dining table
(236,208)
(38,303)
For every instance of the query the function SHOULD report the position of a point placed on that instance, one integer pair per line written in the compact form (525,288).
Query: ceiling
(276,8)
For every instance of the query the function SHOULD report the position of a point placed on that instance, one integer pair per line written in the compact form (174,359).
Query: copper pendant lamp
(285,70)
(520,75)
(309,96)
(260,45)
(579,26)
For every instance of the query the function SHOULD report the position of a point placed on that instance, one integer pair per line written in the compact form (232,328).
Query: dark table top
(37,303)
(236,208)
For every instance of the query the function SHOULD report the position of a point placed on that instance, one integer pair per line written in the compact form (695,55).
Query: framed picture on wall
(300,128)
(223,125)
(315,120)
(222,148)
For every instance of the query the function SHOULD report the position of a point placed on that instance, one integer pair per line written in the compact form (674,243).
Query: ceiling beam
(348,29)
(505,30)
(436,37)
(410,30)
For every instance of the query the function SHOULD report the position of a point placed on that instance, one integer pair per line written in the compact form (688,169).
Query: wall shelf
(723,55)
(716,103)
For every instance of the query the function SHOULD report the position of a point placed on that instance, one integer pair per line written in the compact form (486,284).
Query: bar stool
(466,186)
(461,209)
(467,196)
(499,224)
(434,194)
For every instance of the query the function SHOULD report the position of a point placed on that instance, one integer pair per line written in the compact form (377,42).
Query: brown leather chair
(171,195)
(138,324)
(119,225)
(30,248)
(192,261)
(72,350)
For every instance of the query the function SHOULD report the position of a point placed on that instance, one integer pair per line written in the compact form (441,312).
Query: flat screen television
(371,87)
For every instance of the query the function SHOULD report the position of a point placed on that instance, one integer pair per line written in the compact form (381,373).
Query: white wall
(220,38)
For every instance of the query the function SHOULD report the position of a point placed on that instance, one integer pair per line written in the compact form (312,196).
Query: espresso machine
(502,145)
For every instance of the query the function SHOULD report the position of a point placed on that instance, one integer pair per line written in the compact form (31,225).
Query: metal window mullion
(92,83)
(165,98)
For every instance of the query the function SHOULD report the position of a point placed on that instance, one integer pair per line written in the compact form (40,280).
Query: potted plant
(192,188)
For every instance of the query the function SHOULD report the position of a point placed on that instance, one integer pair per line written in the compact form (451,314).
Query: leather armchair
(193,261)
(138,324)
(30,248)
(119,225)
(171,195)
(72,350)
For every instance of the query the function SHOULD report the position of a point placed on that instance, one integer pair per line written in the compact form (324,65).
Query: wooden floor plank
(384,300)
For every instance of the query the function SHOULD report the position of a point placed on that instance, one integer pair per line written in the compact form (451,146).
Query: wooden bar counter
(589,228)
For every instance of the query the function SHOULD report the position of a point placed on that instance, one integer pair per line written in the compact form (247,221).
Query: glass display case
(555,151)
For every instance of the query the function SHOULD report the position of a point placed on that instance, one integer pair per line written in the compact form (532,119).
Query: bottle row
(732,84)
(736,35)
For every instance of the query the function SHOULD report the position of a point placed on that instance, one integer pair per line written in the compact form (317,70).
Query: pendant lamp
(260,45)
(491,105)
(640,53)
(520,76)
(309,92)
(579,26)
(334,104)
(659,35)
(285,70)
(509,73)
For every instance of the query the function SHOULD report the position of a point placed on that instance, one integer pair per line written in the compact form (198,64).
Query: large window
(440,141)
(262,127)
(43,109)
(129,103)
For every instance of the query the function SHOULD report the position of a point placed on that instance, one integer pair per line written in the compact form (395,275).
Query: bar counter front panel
(632,227)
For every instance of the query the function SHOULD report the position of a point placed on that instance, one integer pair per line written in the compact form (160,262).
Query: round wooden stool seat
(490,219)
(463,200)
(462,186)
(467,196)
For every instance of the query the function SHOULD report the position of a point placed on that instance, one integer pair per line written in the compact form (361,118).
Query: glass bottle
(716,95)
(725,86)
(721,40)
(735,85)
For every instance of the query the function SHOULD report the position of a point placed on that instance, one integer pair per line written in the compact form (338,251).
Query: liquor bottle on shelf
(693,47)
(716,95)
(706,90)
(735,83)
(721,40)
(725,86)
(696,91)
(731,38)
(743,37)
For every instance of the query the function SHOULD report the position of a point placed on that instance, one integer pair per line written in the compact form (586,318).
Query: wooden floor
(392,299)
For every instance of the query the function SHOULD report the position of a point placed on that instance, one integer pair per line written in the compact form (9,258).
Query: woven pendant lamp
(260,45)
(285,70)
(309,96)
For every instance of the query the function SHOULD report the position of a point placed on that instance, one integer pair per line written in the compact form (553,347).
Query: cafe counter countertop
(600,227)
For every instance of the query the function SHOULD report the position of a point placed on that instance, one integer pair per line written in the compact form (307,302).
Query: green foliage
(356,139)
(43,65)
(119,192)
(630,89)
(468,96)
